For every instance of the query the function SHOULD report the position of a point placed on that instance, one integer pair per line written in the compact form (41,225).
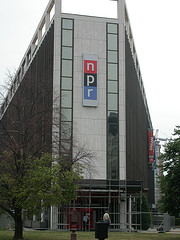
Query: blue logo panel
(90,93)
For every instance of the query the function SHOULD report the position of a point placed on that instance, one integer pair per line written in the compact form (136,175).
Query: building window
(67,33)
(112,102)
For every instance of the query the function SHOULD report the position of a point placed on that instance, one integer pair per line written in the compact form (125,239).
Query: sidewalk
(175,230)
(172,231)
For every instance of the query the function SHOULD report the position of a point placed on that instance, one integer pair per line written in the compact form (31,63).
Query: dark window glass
(113,128)
(113,169)
(65,146)
(113,117)
(113,131)
(113,148)
(112,114)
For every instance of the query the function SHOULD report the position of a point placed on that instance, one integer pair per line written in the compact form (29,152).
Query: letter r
(89,92)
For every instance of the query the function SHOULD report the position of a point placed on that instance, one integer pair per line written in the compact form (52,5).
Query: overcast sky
(156,32)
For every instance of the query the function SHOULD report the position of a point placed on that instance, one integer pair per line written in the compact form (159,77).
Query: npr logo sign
(90,77)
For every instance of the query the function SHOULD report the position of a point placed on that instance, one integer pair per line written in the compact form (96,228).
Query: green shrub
(145,213)
(146,216)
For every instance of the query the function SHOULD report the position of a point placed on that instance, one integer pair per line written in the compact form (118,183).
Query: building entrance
(118,198)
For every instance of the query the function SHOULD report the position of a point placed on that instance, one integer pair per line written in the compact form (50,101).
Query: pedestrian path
(172,231)
(175,230)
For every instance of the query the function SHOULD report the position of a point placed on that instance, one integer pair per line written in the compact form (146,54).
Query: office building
(87,70)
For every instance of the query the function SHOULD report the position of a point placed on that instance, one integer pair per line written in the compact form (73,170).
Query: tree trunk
(18,235)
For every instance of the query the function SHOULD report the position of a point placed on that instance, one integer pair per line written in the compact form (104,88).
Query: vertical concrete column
(122,107)
(130,212)
(39,35)
(56,97)
(56,77)
(33,46)
(26,61)
(123,216)
(122,90)
(47,20)
(54,218)
(120,9)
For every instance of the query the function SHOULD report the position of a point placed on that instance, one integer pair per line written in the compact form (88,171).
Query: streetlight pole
(73,221)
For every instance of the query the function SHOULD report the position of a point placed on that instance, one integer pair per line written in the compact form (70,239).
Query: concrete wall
(89,123)
(6,221)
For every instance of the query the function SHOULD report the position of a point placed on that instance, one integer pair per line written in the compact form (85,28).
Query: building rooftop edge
(42,29)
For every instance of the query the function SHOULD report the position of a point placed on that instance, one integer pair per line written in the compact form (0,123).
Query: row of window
(66,86)
(112,102)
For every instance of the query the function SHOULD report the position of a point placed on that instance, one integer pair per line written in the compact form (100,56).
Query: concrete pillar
(56,97)
(130,212)
(33,46)
(39,35)
(47,20)
(54,218)
(56,77)
(120,9)
(122,107)
(123,219)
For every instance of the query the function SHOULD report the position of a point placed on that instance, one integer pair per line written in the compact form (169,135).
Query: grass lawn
(47,235)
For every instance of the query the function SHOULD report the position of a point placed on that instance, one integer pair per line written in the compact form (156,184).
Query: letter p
(90,80)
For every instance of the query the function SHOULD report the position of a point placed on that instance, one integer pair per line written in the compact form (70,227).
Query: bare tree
(26,136)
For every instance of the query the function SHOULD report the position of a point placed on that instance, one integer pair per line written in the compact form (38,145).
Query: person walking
(85,222)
